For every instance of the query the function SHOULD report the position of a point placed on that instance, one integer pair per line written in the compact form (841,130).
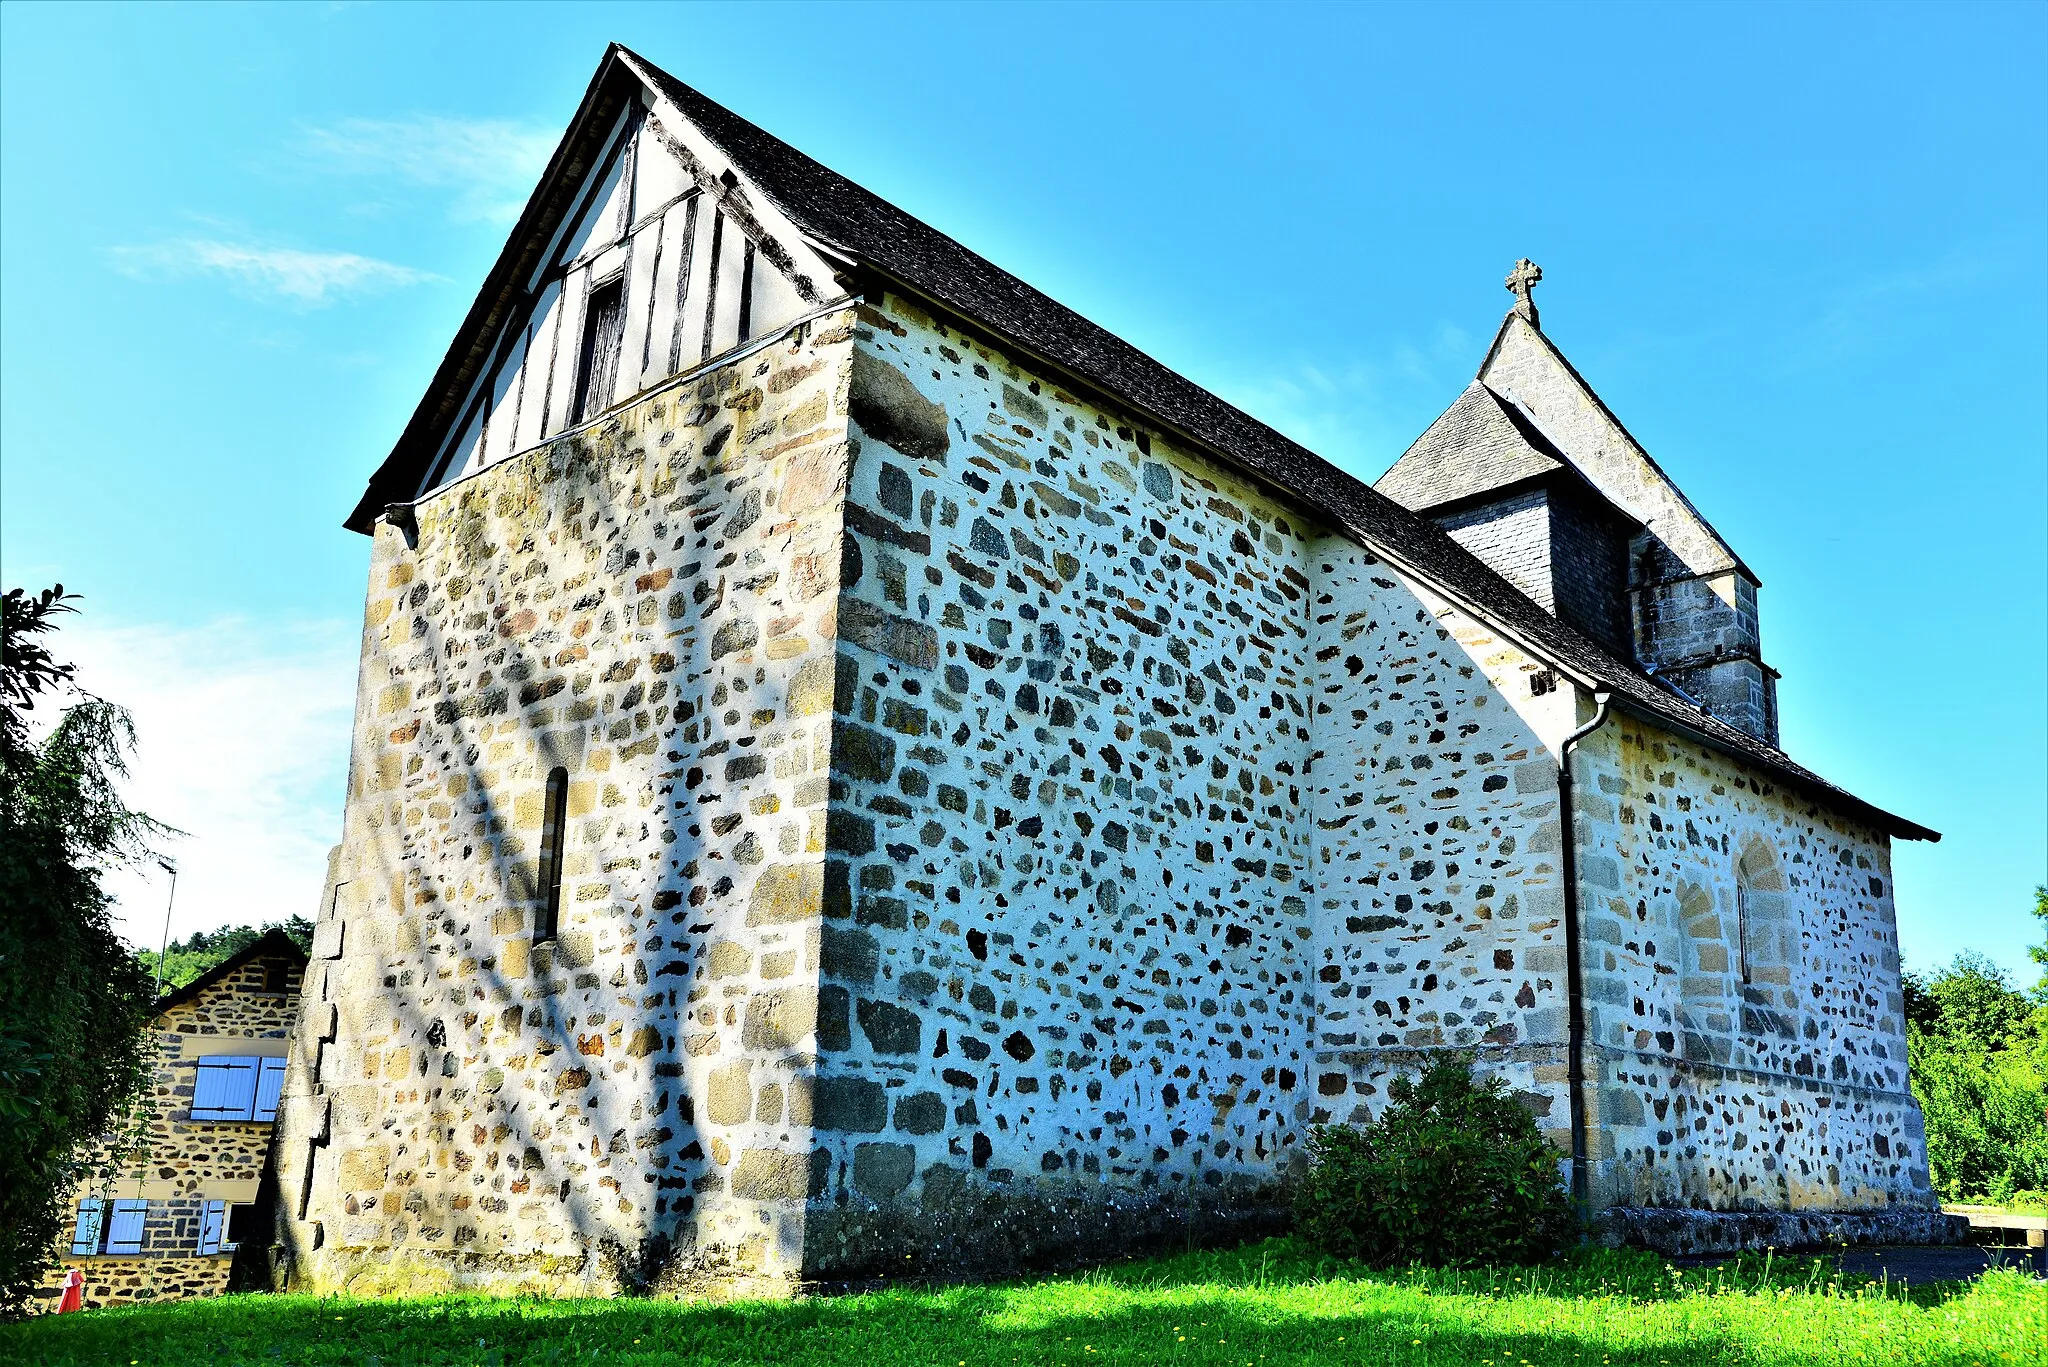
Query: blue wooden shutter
(211,1226)
(225,1088)
(124,1230)
(269,1083)
(85,1235)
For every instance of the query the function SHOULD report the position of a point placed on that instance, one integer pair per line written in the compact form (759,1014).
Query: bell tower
(1532,472)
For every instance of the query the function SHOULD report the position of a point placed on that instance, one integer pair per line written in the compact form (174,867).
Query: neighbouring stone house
(856,767)
(189,1207)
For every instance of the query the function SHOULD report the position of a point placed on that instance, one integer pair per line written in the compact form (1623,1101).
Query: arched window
(554,829)
(1767,939)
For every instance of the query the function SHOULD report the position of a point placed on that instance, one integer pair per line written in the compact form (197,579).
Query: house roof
(1479,445)
(854,223)
(272,944)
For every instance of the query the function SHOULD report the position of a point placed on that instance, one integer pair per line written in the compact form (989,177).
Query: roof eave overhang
(1890,823)
(1565,477)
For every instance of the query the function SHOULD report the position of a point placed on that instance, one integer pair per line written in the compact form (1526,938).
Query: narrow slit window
(554,829)
(1742,928)
(604,337)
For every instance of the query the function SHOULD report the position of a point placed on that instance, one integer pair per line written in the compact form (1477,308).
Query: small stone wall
(141,1278)
(1677,1231)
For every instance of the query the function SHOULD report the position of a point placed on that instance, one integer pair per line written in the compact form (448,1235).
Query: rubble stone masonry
(651,604)
(997,833)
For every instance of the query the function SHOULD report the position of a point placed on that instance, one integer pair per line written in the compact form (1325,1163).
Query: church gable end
(659,265)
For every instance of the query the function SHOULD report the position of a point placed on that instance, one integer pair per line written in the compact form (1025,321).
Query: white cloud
(488,165)
(1850,320)
(243,741)
(309,278)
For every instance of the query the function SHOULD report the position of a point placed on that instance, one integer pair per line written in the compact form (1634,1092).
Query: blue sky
(1799,249)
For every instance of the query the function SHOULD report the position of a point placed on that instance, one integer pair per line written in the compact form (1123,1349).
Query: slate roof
(918,258)
(1480,444)
(272,944)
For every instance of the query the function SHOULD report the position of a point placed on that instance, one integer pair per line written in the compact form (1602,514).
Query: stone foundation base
(1680,1231)
(605,1270)
(955,1230)
(974,1230)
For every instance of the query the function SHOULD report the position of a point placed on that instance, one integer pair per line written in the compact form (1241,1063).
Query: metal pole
(166,947)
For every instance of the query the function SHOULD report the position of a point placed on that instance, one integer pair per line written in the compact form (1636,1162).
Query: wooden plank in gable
(728,299)
(659,177)
(693,285)
(602,224)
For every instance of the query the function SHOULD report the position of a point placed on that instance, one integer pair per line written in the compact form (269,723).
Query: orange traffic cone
(74,1292)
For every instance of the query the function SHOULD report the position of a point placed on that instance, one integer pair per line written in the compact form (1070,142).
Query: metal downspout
(1574,978)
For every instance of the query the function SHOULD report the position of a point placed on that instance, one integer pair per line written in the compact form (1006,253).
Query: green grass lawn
(1265,1304)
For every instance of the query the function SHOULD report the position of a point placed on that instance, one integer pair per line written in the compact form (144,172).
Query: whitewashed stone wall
(1440,908)
(996,833)
(1068,923)
(1789,1093)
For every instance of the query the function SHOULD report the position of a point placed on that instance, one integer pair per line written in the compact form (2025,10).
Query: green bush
(1978,1051)
(1453,1173)
(1984,1108)
(73,1002)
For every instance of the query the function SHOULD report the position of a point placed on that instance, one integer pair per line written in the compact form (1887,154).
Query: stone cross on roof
(1522,280)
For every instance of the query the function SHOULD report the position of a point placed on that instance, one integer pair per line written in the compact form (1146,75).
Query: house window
(236,1087)
(108,1227)
(213,1229)
(554,829)
(245,1225)
(604,338)
(277,974)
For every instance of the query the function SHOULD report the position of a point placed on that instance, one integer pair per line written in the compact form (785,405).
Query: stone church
(856,767)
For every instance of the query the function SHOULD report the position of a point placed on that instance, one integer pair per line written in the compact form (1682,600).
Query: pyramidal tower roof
(1548,417)
(1479,445)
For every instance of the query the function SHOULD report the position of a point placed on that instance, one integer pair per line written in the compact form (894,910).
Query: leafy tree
(2039,953)
(1971,999)
(73,1001)
(1452,1173)
(1978,1052)
(186,959)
